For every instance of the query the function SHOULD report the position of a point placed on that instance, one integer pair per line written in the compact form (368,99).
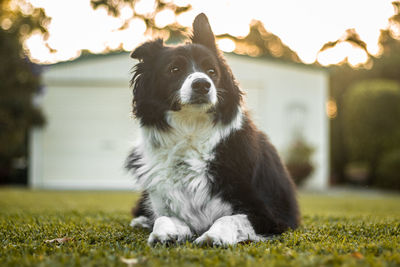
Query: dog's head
(168,78)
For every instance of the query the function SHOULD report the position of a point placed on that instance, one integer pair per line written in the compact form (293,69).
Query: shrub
(298,160)
(371,111)
(388,172)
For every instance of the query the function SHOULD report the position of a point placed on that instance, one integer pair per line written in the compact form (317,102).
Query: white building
(90,128)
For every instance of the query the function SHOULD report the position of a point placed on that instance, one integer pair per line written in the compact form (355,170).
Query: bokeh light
(304,26)
(164,18)
(144,6)
(226,45)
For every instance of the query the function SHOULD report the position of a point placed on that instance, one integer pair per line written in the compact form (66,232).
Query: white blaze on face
(186,90)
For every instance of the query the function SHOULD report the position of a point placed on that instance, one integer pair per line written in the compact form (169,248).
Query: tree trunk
(373,166)
(5,171)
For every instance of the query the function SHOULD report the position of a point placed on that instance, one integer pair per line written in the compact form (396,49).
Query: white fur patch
(229,230)
(174,167)
(168,229)
(141,221)
(185,92)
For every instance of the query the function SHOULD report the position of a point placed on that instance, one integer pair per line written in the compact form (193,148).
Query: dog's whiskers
(173,99)
(219,94)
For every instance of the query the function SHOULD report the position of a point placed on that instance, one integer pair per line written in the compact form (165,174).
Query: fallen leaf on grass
(59,240)
(288,252)
(130,262)
(357,255)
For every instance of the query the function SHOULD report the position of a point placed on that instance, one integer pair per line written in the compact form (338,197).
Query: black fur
(250,176)
(247,170)
(154,90)
(141,208)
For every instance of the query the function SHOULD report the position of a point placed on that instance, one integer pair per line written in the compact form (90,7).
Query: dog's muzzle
(198,88)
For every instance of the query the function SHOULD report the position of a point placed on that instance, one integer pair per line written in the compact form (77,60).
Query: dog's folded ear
(202,33)
(147,50)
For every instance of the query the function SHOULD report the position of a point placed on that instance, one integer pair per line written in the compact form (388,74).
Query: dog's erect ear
(147,50)
(202,33)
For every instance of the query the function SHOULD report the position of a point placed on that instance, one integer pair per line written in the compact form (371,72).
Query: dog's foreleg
(229,230)
(169,230)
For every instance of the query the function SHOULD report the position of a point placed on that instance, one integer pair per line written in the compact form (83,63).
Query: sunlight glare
(34,45)
(138,26)
(25,7)
(145,6)
(334,55)
(371,38)
(304,27)
(226,45)
(6,24)
(181,3)
(40,54)
(126,12)
(115,40)
(308,56)
(164,18)
(239,30)
(186,18)
(331,109)
(357,57)
(395,31)
(133,35)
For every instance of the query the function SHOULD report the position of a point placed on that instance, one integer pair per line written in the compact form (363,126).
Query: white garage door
(88,135)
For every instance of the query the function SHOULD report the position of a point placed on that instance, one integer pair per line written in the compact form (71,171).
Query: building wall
(90,128)
(287,101)
(89,134)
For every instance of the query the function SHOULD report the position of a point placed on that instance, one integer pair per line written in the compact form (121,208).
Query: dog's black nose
(201,86)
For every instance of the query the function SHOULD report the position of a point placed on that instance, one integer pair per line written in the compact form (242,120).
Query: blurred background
(322,79)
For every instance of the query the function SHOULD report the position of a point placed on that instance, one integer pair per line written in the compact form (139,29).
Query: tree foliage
(371,123)
(19,80)
(259,42)
(343,76)
(114,8)
(388,170)
(350,36)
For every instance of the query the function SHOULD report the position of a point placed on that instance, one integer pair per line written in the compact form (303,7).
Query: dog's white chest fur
(174,170)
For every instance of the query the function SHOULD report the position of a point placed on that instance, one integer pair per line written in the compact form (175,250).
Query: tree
(371,123)
(388,171)
(114,8)
(20,80)
(259,42)
(343,76)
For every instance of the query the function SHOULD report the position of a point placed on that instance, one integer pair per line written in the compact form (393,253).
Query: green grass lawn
(346,229)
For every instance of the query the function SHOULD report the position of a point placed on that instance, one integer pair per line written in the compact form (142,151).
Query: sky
(305,26)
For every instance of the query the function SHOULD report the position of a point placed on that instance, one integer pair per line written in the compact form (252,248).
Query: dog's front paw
(228,230)
(169,231)
(212,239)
(162,238)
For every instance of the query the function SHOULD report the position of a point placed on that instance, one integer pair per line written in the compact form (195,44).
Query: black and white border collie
(206,172)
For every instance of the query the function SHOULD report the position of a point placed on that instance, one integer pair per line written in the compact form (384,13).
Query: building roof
(89,56)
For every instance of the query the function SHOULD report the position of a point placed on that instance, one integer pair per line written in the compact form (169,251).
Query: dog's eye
(174,69)
(211,72)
